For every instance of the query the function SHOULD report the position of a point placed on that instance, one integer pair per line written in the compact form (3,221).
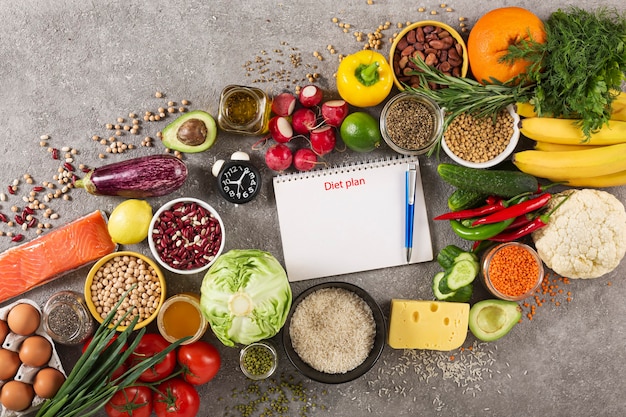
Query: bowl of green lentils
(482,142)
(411,123)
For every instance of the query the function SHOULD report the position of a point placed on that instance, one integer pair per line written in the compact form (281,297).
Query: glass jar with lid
(244,110)
(66,318)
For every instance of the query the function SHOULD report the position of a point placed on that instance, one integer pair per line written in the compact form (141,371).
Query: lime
(360,132)
(129,222)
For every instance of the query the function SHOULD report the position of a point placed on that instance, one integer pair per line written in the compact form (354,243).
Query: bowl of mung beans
(125,273)
(477,142)
(186,235)
(411,123)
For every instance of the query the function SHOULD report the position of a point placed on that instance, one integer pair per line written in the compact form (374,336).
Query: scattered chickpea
(158,94)
(185,102)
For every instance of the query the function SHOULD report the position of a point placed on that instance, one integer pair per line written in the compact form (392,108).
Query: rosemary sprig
(464,95)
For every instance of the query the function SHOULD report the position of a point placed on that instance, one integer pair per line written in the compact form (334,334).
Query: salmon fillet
(49,256)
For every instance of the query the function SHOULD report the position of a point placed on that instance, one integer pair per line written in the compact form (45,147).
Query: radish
(280,129)
(304,159)
(323,140)
(334,111)
(310,96)
(303,121)
(278,157)
(283,104)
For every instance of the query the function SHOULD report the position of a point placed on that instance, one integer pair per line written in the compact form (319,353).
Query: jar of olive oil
(244,110)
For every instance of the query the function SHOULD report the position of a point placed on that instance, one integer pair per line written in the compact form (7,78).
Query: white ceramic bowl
(498,159)
(193,240)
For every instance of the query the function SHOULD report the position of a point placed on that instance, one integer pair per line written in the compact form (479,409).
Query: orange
(491,36)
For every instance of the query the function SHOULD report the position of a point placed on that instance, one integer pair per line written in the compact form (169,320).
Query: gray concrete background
(69,67)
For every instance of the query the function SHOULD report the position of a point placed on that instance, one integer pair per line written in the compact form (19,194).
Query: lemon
(129,222)
(360,132)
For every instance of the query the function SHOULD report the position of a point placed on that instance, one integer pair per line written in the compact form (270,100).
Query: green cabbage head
(245,296)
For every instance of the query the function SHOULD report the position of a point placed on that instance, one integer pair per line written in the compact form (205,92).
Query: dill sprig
(578,71)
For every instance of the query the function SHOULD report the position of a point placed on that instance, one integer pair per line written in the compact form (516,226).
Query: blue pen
(411,179)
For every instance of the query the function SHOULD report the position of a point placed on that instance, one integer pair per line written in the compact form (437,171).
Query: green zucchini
(492,182)
(459,275)
(462,199)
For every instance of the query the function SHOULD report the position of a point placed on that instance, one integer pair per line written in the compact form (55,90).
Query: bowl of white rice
(335,332)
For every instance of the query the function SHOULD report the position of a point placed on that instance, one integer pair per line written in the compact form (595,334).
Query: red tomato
(130,402)
(149,345)
(200,361)
(176,398)
(122,368)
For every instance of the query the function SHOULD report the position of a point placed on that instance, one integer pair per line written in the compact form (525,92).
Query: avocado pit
(192,133)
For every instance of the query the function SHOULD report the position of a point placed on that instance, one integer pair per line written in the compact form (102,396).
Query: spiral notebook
(349,219)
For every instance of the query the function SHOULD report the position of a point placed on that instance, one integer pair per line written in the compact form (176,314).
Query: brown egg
(4,331)
(16,395)
(23,319)
(35,351)
(47,382)
(9,363)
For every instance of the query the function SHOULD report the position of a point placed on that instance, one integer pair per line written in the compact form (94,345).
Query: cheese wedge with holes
(433,325)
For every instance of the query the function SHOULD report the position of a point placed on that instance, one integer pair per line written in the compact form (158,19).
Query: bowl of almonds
(186,235)
(436,43)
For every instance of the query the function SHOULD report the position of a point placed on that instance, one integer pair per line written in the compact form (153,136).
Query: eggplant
(147,176)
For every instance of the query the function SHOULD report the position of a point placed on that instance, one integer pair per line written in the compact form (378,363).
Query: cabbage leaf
(245,296)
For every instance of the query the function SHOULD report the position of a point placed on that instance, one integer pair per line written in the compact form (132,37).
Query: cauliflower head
(586,235)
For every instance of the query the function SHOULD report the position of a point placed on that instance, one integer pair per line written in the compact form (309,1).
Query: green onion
(89,387)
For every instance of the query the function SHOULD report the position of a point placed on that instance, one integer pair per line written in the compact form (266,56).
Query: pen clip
(411,180)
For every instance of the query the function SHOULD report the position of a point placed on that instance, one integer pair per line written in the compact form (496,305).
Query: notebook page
(349,219)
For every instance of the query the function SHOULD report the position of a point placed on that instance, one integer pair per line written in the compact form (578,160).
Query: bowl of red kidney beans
(186,235)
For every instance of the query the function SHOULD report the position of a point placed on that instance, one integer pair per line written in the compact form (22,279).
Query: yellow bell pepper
(364,78)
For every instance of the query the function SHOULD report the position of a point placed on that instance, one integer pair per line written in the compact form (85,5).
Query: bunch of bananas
(562,153)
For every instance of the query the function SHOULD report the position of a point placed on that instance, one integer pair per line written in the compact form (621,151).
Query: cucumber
(451,254)
(147,176)
(462,199)
(491,182)
(461,274)
(462,295)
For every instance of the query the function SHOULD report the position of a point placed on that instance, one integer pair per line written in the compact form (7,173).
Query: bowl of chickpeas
(129,283)
(482,142)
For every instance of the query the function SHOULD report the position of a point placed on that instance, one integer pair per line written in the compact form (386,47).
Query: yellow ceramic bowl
(91,277)
(423,23)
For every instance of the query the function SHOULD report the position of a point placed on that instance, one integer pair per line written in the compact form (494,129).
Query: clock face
(239,181)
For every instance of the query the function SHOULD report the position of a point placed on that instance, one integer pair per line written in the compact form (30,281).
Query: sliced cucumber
(461,274)
(451,254)
(462,295)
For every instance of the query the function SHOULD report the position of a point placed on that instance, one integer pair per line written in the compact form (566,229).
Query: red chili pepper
(536,224)
(520,221)
(492,207)
(515,210)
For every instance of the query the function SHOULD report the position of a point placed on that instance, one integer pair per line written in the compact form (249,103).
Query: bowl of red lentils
(186,235)
(512,271)
(482,142)
(129,277)
(411,123)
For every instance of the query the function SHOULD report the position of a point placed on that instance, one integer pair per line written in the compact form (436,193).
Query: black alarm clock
(239,181)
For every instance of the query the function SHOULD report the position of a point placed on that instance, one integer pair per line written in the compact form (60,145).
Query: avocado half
(490,320)
(190,133)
